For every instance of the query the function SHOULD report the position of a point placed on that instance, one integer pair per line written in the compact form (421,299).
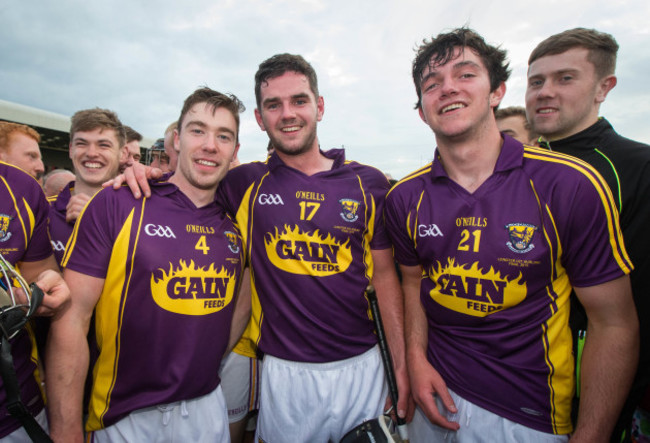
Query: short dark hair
(215,100)
(602,48)
(97,118)
(441,49)
(132,134)
(279,64)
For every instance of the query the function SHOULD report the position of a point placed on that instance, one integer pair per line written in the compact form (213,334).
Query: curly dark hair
(441,49)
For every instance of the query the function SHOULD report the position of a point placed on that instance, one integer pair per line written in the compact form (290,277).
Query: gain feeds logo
(307,253)
(349,209)
(473,291)
(521,236)
(4,227)
(193,290)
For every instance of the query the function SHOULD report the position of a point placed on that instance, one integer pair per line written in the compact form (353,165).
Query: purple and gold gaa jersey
(309,242)
(23,238)
(162,322)
(498,268)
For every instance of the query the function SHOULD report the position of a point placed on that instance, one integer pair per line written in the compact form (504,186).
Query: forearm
(391,306)
(415,327)
(242,312)
(67,366)
(609,361)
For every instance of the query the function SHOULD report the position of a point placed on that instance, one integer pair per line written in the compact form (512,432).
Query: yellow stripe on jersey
(423,170)
(108,320)
(558,345)
(18,213)
(249,340)
(30,215)
(605,194)
(556,335)
(369,231)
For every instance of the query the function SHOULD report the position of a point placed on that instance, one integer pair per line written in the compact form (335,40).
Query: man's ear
(605,85)
(497,95)
(258,117)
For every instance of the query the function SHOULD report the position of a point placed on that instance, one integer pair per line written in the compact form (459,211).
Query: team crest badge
(349,209)
(4,227)
(232,242)
(521,236)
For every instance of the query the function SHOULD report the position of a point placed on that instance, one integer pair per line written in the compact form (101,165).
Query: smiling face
(206,144)
(95,156)
(456,100)
(564,94)
(289,112)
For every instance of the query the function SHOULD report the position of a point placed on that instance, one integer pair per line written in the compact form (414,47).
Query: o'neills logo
(192,290)
(307,253)
(472,291)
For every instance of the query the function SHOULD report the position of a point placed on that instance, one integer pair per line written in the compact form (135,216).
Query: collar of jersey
(338,155)
(510,157)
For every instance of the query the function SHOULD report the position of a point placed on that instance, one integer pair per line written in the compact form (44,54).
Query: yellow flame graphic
(470,290)
(193,290)
(306,253)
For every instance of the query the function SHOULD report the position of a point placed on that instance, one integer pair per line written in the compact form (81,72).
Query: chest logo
(349,209)
(159,231)
(270,199)
(232,241)
(520,237)
(307,253)
(431,230)
(4,227)
(471,290)
(189,289)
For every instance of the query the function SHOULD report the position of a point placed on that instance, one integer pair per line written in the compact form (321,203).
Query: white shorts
(240,380)
(319,402)
(20,435)
(201,419)
(476,425)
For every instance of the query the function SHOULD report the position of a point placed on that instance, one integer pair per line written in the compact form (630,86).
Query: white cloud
(142,59)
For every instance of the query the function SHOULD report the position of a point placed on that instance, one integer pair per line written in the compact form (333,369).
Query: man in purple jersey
(24,242)
(316,239)
(97,139)
(160,275)
(491,237)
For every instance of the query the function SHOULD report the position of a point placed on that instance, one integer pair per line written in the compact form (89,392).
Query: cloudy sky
(142,58)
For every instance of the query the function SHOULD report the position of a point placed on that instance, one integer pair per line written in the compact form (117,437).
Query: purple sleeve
(377,185)
(91,243)
(397,214)
(39,247)
(593,250)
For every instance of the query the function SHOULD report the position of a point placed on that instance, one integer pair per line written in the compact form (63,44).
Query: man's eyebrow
(196,123)
(461,64)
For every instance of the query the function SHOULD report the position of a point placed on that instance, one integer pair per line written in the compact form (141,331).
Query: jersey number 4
(202,245)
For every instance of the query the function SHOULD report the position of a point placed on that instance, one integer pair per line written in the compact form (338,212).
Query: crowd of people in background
(213,301)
